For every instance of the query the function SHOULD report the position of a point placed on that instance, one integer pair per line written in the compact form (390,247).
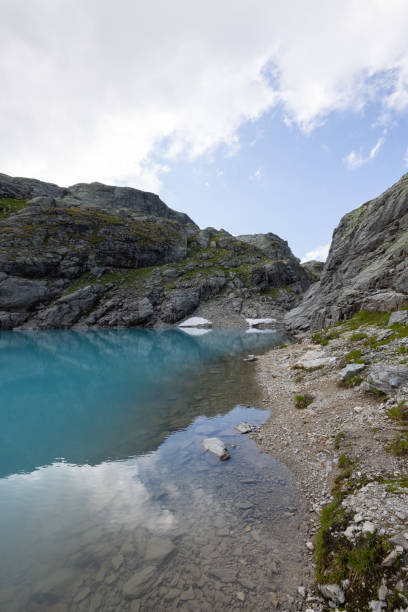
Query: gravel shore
(341,439)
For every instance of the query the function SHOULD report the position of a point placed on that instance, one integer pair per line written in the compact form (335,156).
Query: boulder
(11,320)
(68,309)
(179,303)
(391,558)
(387,378)
(315,359)
(244,428)
(400,316)
(352,369)
(384,301)
(217,447)
(332,592)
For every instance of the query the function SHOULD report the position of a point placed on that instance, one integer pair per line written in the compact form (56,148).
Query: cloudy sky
(252,115)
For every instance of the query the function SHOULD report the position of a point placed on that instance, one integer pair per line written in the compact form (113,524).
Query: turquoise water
(107,498)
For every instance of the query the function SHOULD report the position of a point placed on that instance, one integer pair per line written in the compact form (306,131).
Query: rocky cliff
(98,255)
(367,266)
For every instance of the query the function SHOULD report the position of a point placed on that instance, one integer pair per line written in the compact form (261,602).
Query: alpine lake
(108,500)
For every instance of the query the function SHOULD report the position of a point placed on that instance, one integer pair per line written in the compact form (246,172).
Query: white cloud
(355,160)
(106,91)
(319,253)
(406,158)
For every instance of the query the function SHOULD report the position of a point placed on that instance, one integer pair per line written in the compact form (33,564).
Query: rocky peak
(96,195)
(367,263)
(273,246)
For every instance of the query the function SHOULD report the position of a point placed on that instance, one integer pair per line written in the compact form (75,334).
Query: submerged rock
(135,585)
(244,428)
(158,549)
(217,447)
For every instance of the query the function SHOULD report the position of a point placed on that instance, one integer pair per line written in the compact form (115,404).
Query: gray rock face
(387,378)
(10,320)
(277,249)
(25,189)
(21,293)
(97,255)
(68,309)
(366,266)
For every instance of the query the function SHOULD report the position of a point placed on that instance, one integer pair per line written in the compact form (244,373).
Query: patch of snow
(256,322)
(196,322)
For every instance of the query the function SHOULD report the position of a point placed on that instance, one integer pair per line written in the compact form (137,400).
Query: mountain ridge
(95,255)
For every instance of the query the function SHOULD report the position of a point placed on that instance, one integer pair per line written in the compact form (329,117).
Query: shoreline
(338,451)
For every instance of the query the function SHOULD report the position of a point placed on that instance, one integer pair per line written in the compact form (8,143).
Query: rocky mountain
(367,266)
(105,256)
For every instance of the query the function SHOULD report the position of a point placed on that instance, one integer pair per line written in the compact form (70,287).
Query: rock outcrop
(97,255)
(313,269)
(367,264)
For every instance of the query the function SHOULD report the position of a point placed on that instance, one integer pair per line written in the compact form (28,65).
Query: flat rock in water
(244,428)
(132,588)
(217,447)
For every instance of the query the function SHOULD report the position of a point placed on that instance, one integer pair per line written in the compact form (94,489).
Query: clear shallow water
(107,499)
